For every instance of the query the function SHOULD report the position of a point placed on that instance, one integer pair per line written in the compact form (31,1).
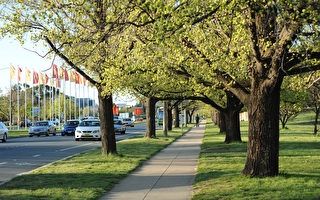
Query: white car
(3,132)
(128,122)
(88,129)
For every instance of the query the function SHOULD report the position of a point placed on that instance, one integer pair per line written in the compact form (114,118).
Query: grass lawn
(16,133)
(220,166)
(87,175)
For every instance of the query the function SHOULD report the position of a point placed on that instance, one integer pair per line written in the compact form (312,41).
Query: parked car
(69,127)
(119,127)
(88,129)
(42,128)
(3,132)
(22,123)
(128,122)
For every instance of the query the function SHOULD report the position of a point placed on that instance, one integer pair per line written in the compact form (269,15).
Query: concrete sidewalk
(168,175)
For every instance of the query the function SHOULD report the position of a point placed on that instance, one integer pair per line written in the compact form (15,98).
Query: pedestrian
(197,120)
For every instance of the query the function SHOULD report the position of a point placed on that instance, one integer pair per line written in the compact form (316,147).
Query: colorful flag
(35,78)
(66,75)
(55,71)
(77,77)
(57,82)
(72,76)
(51,82)
(80,79)
(41,78)
(62,72)
(84,81)
(13,72)
(28,75)
(46,78)
(19,74)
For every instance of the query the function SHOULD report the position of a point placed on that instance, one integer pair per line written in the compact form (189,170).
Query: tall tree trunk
(315,130)
(165,118)
(150,104)
(263,138)
(169,116)
(106,124)
(222,122)
(232,119)
(176,116)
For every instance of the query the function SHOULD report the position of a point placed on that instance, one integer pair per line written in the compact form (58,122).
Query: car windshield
(90,123)
(41,124)
(127,120)
(117,122)
(72,123)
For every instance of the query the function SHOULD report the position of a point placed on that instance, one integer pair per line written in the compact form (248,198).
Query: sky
(12,53)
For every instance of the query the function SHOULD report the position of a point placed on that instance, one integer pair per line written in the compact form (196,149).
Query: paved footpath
(168,175)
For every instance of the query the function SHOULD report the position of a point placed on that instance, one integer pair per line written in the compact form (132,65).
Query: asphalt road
(20,155)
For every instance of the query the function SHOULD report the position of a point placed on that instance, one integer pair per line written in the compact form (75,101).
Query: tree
(86,35)
(248,47)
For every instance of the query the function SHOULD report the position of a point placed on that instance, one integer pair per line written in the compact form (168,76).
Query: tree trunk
(315,130)
(165,118)
(232,125)
(222,123)
(106,124)
(176,116)
(169,116)
(150,104)
(263,138)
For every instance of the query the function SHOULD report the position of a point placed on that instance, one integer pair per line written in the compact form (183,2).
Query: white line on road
(75,147)
(3,163)
(36,155)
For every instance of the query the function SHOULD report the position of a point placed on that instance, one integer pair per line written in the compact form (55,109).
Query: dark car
(42,128)
(22,123)
(69,127)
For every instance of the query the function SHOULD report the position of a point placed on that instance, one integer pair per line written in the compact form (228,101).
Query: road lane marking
(3,163)
(75,147)
(36,155)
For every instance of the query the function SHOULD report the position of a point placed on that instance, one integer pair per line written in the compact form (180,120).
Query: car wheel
(47,134)
(5,137)
(77,139)
(62,134)
(30,135)
(123,132)
(54,134)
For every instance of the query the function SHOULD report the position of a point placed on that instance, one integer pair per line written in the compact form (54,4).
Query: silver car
(128,122)
(42,128)
(3,132)
(119,127)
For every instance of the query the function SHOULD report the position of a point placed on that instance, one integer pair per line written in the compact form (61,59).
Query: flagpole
(64,100)
(18,90)
(10,110)
(75,100)
(59,103)
(70,116)
(32,111)
(39,103)
(44,101)
(94,101)
(79,99)
(25,100)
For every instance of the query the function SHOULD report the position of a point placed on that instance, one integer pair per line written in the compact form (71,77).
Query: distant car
(88,129)
(42,128)
(89,117)
(69,128)
(128,122)
(55,122)
(119,127)
(22,123)
(3,132)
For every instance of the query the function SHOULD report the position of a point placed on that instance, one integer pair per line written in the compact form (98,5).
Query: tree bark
(150,104)
(263,138)
(176,116)
(222,122)
(315,130)
(165,118)
(106,124)
(169,116)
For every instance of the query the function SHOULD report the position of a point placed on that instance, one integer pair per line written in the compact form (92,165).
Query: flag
(28,75)
(77,77)
(51,82)
(55,71)
(13,72)
(66,75)
(84,81)
(46,78)
(19,74)
(72,76)
(57,82)
(35,78)
(80,79)
(62,72)
(41,78)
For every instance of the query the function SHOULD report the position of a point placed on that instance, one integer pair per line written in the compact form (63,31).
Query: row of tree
(226,53)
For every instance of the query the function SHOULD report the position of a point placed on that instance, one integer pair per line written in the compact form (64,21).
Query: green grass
(87,175)
(17,133)
(220,166)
